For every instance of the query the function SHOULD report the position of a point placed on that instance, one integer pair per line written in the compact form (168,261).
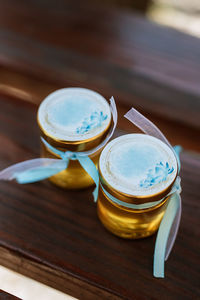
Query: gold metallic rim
(134,198)
(83,145)
(165,199)
(71,142)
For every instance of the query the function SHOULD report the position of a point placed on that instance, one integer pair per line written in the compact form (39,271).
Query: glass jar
(73,119)
(137,172)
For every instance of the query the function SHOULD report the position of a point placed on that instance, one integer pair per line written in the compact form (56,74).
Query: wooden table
(7,296)
(53,235)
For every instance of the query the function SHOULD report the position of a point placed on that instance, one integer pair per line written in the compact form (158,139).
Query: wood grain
(6,296)
(34,90)
(54,236)
(76,43)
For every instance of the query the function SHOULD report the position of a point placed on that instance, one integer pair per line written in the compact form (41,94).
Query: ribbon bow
(41,168)
(169,225)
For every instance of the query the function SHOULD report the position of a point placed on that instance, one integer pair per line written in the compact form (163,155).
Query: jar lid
(138,166)
(74,114)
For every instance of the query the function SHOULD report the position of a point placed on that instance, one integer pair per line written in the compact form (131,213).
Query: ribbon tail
(165,234)
(148,127)
(174,230)
(33,170)
(91,169)
(37,174)
(177,150)
(136,118)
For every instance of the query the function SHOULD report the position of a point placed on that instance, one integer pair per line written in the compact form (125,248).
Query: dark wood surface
(54,236)
(46,46)
(6,296)
(34,90)
(154,68)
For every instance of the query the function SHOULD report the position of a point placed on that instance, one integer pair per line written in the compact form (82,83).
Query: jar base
(71,184)
(132,235)
(129,224)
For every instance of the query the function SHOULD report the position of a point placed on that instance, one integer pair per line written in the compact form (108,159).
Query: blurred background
(183,15)
(144,53)
(180,14)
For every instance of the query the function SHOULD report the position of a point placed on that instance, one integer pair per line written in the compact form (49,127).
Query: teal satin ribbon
(43,172)
(41,168)
(160,255)
(166,233)
(130,205)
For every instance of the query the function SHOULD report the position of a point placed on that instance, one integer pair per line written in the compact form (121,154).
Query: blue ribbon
(163,235)
(41,168)
(43,172)
(130,205)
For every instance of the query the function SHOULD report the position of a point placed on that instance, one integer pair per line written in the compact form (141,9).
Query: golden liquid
(129,223)
(74,177)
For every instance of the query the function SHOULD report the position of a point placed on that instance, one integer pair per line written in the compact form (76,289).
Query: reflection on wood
(154,68)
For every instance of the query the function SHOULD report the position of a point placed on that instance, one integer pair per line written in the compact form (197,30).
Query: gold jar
(137,172)
(73,119)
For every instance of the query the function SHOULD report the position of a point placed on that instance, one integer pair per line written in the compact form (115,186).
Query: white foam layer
(74,114)
(138,165)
